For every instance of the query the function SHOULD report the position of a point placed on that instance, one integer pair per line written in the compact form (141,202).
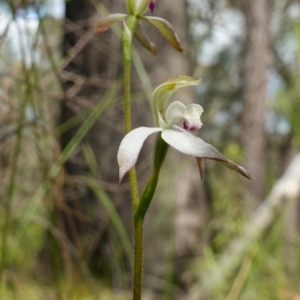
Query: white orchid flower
(166,116)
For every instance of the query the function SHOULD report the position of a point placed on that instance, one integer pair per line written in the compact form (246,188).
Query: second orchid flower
(138,8)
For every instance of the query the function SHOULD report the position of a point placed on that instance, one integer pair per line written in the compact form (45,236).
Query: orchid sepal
(144,40)
(187,143)
(106,22)
(201,166)
(166,30)
(130,148)
(179,139)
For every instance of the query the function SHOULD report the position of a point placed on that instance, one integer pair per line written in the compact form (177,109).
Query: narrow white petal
(130,148)
(175,112)
(187,143)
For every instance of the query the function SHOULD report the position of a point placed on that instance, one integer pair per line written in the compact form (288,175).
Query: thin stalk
(139,208)
(138,227)
(138,259)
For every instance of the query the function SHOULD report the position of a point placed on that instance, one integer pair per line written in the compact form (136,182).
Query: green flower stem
(138,227)
(127,37)
(139,208)
(138,259)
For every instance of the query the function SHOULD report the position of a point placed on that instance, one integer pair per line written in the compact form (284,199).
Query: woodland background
(66,225)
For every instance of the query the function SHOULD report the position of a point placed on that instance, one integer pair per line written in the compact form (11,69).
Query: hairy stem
(139,208)
(138,259)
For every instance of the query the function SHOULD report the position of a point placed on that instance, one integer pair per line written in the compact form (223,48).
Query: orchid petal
(166,30)
(175,112)
(163,92)
(130,148)
(106,22)
(192,117)
(187,143)
(144,39)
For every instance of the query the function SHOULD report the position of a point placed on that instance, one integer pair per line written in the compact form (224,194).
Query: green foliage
(32,181)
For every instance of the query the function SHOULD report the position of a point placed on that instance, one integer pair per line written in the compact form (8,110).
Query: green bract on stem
(161,149)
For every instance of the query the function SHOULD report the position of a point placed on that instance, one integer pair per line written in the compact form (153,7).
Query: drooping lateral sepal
(144,40)
(166,30)
(106,22)
(201,166)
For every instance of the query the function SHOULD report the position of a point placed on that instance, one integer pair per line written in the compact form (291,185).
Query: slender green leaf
(112,212)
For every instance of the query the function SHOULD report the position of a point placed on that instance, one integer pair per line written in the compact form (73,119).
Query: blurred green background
(66,224)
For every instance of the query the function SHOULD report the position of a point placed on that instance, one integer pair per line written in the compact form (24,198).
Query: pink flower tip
(152,5)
